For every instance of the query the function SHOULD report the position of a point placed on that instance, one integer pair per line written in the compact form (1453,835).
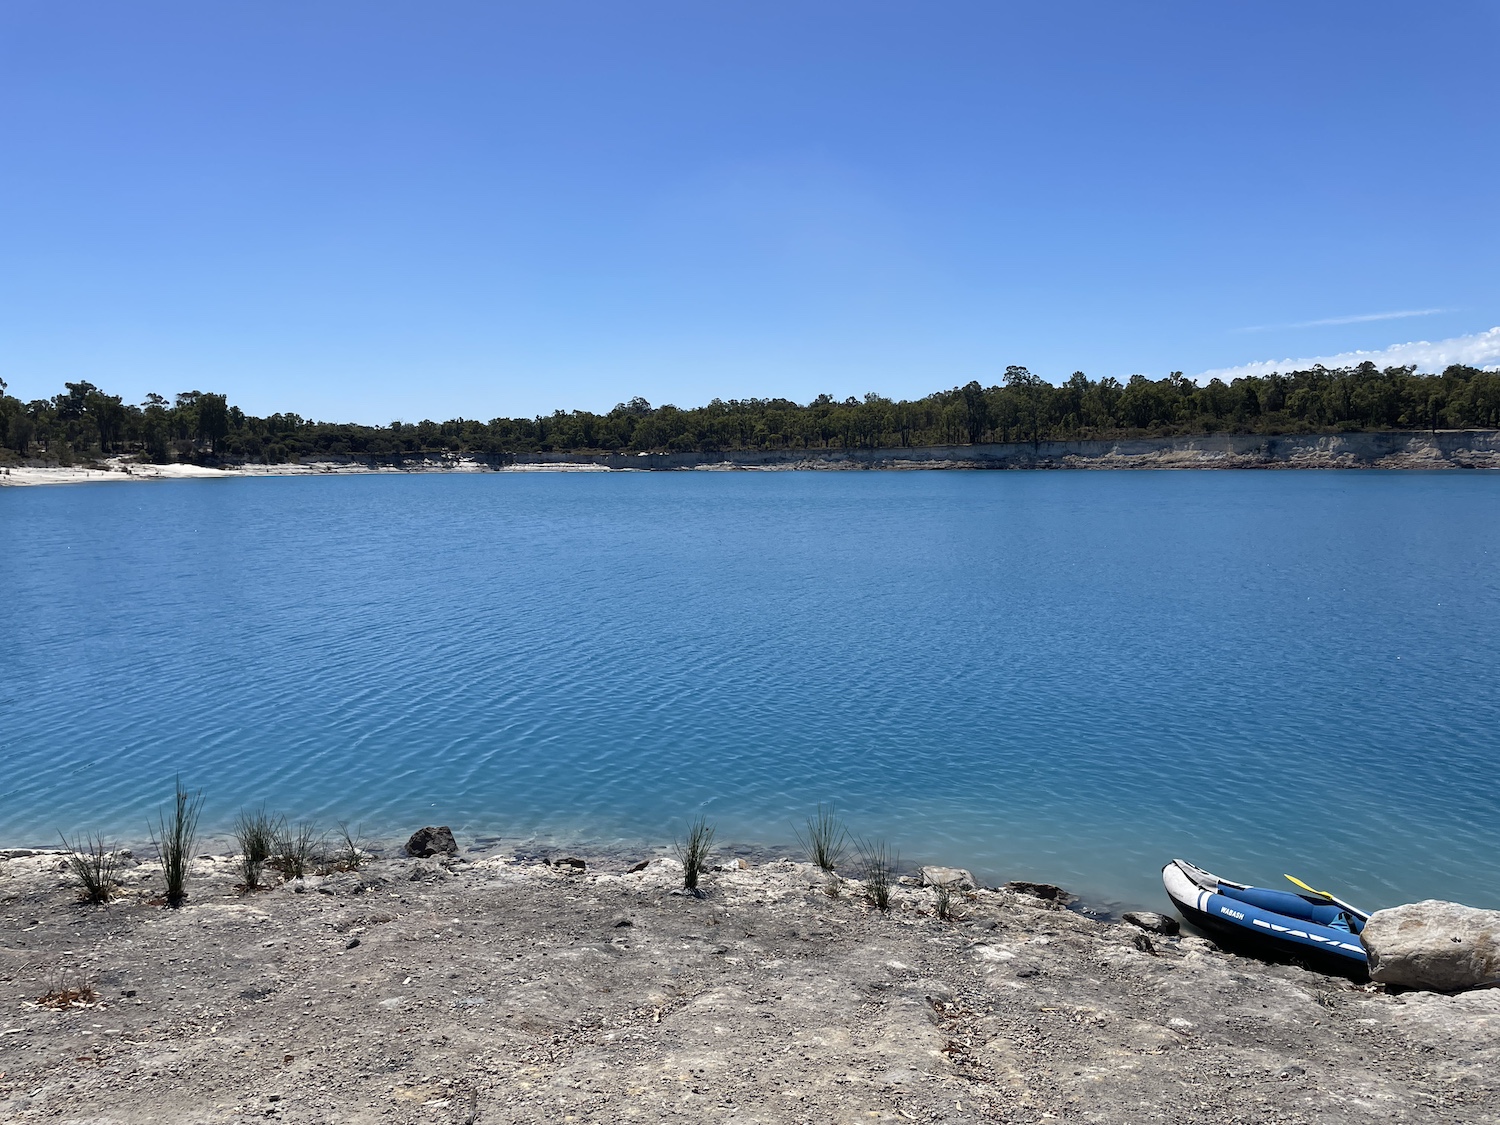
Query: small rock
(954,877)
(1039,890)
(431,870)
(1149,920)
(1287,1073)
(733,865)
(1143,943)
(1434,945)
(432,841)
(352,943)
(571,865)
(347,883)
(984,952)
(638,867)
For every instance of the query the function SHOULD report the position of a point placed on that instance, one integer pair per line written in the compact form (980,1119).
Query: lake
(1068,676)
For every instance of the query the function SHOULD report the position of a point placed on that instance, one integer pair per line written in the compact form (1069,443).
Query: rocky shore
(1449,449)
(493,986)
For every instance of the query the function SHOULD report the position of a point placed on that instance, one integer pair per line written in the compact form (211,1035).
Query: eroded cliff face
(1448,449)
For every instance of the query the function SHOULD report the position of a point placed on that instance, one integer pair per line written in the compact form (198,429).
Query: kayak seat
(1289,905)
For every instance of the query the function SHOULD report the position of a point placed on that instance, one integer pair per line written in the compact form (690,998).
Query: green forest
(86,423)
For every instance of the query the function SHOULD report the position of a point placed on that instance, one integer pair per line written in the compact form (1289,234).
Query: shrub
(878,864)
(693,851)
(93,863)
(256,835)
(826,840)
(295,848)
(176,841)
(350,856)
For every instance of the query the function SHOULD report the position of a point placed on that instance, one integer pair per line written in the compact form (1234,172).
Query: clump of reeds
(256,835)
(826,840)
(878,864)
(944,902)
(295,849)
(175,841)
(693,851)
(93,863)
(350,856)
(834,888)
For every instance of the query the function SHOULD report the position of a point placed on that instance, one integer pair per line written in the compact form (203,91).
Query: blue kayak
(1267,922)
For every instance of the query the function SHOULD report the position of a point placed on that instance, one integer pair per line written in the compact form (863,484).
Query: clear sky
(367,210)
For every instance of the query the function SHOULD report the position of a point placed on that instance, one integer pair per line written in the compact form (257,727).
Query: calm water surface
(1065,676)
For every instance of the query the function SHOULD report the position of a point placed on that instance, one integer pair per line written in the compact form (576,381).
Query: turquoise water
(1062,676)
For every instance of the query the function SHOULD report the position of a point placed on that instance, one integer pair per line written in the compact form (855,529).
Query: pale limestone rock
(1434,945)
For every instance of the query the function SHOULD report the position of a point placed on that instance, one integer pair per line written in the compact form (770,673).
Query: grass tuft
(256,835)
(350,855)
(878,864)
(176,840)
(296,848)
(693,851)
(826,840)
(944,902)
(94,864)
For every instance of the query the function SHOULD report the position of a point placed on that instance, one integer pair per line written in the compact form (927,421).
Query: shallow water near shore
(1060,676)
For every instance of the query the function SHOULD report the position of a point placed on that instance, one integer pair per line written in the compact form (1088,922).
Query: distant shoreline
(1443,449)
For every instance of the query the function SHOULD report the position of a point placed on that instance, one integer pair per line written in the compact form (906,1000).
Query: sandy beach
(496,986)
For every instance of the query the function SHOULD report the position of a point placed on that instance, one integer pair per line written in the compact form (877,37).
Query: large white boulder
(1434,945)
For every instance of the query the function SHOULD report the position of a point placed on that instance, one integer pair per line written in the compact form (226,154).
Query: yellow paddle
(1324,894)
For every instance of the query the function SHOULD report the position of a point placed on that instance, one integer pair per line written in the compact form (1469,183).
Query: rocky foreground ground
(491,988)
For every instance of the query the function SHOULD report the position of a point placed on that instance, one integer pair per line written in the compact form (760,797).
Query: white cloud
(1363,318)
(1482,349)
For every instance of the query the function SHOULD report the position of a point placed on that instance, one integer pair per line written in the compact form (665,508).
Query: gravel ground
(492,988)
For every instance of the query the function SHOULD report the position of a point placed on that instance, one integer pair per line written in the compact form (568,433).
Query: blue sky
(374,210)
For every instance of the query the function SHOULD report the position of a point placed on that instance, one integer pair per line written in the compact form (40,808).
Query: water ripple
(1062,676)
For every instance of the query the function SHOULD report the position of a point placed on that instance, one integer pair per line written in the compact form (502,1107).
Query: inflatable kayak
(1280,924)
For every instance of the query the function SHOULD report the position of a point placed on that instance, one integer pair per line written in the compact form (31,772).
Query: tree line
(85,422)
